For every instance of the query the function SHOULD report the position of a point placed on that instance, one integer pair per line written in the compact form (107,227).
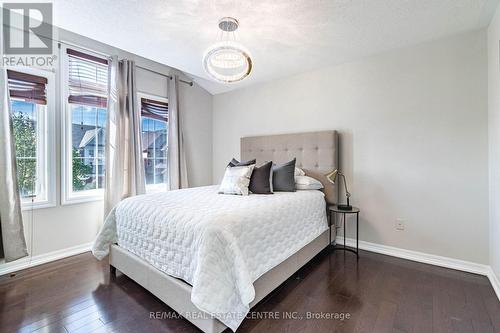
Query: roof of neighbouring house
(152,139)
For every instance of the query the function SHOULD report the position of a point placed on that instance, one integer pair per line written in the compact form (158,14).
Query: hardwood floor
(379,293)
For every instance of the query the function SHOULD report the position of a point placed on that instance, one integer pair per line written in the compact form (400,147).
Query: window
(86,83)
(31,100)
(154,127)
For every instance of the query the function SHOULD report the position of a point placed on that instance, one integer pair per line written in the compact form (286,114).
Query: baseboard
(494,281)
(461,265)
(6,268)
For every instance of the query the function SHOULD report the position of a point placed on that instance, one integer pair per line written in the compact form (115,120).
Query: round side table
(334,210)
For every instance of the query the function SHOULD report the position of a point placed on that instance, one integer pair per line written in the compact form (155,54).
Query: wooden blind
(27,87)
(88,79)
(154,109)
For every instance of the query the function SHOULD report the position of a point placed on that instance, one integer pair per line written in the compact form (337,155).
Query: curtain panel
(177,170)
(12,241)
(125,166)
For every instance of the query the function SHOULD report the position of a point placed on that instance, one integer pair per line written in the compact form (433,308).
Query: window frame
(153,188)
(49,139)
(68,196)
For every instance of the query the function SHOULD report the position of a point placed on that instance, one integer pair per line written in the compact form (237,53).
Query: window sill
(79,200)
(27,206)
(86,196)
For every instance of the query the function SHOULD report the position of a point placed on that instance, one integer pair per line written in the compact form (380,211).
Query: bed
(211,257)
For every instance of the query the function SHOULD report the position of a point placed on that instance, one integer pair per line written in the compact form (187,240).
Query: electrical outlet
(400,224)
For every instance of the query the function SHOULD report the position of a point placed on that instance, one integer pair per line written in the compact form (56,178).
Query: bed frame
(317,154)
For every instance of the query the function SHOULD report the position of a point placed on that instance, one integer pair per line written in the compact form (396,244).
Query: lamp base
(344,207)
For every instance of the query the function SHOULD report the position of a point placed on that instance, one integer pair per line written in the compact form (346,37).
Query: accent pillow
(236,180)
(307,183)
(284,177)
(260,181)
(299,172)
(234,162)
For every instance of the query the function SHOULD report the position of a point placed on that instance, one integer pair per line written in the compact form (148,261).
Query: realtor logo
(27,28)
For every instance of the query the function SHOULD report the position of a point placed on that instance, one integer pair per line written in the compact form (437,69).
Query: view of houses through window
(87,93)
(87,138)
(154,143)
(154,127)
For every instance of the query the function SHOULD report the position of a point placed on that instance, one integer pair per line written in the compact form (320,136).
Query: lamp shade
(332,176)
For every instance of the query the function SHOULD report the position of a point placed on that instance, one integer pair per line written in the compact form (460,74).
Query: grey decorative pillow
(260,182)
(284,177)
(234,162)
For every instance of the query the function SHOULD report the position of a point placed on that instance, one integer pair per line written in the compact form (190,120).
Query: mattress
(220,244)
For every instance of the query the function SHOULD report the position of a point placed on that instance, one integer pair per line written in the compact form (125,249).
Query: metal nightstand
(333,209)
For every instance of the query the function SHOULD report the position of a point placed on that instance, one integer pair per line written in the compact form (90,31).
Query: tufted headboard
(316,153)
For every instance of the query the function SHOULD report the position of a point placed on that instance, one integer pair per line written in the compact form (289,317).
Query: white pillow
(236,180)
(299,172)
(307,183)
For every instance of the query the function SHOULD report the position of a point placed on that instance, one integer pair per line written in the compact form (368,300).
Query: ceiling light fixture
(227,60)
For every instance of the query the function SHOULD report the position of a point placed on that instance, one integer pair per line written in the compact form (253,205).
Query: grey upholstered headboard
(316,153)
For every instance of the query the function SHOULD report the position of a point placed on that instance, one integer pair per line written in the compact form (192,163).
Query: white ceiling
(285,37)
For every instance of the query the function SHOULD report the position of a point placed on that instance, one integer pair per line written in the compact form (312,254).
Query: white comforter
(220,244)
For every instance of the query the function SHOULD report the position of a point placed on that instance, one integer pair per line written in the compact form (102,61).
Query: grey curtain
(177,170)
(12,242)
(125,166)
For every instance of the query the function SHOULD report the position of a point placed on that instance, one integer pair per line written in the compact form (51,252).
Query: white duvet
(220,244)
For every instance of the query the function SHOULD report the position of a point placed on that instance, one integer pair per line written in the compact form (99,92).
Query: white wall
(413,126)
(196,106)
(68,226)
(494,139)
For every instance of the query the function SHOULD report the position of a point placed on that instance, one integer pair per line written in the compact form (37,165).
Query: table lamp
(332,177)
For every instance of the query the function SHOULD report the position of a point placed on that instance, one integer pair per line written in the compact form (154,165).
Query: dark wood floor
(380,293)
